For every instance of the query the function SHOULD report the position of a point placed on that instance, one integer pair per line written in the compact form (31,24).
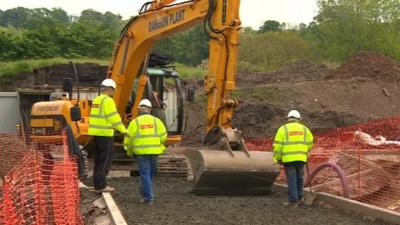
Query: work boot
(300,202)
(290,204)
(147,202)
(106,189)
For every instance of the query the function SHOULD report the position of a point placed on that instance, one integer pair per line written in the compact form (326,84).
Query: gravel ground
(174,205)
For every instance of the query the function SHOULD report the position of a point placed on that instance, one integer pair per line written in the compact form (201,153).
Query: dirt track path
(174,205)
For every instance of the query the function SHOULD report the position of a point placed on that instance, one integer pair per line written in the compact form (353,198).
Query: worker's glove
(163,106)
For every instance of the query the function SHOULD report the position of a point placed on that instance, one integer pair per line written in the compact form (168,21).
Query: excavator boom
(224,166)
(140,35)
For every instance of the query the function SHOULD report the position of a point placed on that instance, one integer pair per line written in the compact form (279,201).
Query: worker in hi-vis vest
(292,143)
(145,139)
(104,119)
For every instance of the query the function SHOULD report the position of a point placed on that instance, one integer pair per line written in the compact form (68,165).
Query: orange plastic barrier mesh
(38,182)
(361,162)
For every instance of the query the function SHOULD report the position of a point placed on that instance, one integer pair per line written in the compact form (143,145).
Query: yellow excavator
(224,165)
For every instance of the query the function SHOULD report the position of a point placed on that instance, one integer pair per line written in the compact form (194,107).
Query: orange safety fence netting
(361,162)
(38,182)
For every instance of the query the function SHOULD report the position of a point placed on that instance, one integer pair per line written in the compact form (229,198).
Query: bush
(249,67)
(270,51)
(190,71)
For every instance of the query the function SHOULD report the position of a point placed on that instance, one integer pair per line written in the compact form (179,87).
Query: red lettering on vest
(295,133)
(146,126)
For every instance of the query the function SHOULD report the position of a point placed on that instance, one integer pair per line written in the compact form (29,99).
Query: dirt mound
(261,121)
(369,64)
(295,72)
(245,79)
(324,104)
(90,74)
(196,113)
(301,71)
(256,120)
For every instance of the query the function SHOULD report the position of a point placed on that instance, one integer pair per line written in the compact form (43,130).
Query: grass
(185,71)
(331,65)
(8,70)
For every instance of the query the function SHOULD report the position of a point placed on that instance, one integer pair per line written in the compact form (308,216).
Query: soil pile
(262,121)
(90,75)
(365,88)
(298,71)
(195,130)
(301,71)
(369,64)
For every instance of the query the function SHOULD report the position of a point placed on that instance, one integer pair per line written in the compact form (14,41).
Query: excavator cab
(166,92)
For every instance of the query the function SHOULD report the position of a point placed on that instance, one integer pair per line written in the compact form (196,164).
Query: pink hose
(340,173)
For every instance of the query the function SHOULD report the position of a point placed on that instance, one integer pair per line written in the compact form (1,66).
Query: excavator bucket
(219,172)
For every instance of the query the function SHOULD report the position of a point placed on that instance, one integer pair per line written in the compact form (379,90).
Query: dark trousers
(295,180)
(102,161)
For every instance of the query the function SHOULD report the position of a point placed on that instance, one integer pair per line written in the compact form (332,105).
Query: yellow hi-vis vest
(292,143)
(147,135)
(104,117)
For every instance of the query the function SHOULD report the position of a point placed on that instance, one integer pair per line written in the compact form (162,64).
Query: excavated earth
(90,75)
(175,205)
(365,88)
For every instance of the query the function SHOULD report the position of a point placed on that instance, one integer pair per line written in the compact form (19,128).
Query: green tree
(269,51)
(345,27)
(15,17)
(43,33)
(59,15)
(270,26)
(189,47)
(248,30)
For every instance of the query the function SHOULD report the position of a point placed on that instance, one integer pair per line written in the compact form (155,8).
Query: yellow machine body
(224,165)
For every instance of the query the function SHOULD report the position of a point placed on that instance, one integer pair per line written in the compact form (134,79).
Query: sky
(253,12)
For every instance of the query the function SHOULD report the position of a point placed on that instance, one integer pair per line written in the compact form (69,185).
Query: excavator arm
(155,22)
(224,165)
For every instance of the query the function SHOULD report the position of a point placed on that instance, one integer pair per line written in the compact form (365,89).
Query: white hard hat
(145,103)
(109,83)
(294,114)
